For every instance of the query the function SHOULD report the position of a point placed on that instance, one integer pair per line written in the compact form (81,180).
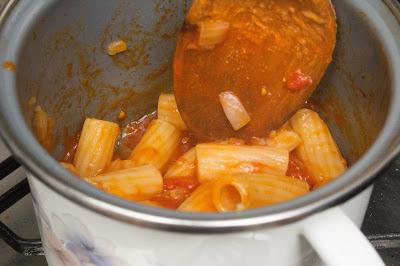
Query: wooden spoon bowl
(271,54)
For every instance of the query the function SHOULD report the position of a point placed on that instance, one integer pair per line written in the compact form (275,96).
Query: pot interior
(63,63)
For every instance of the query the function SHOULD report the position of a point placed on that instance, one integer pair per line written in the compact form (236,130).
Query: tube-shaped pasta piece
(266,189)
(200,200)
(95,147)
(243,191)
(168,111)
(157,144)
(70,168)
(43,128)
(230,195)
(318,149)
(284,138)
(118,165)
(139,183)
(185,166)
(216,160)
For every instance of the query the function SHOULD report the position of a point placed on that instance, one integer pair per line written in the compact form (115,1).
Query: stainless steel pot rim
(19,139)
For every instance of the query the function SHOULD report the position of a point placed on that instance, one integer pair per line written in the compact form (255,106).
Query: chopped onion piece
(212,32)
(234,110)
(117,47)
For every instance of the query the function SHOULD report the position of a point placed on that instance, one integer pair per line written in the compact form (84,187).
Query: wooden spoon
(271,54)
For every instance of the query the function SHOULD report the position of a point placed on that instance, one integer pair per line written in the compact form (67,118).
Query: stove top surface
(383,214)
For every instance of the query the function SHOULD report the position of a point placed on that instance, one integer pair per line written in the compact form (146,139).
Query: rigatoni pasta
(318,149)
(216,160)
(168,168)
(157,145)
(200,200)
(267,189)
(238,192)
(139,183)
(43,128)
(119,164)
(283,138)
(185,166)
(96,147)
(168,111)
(230,195)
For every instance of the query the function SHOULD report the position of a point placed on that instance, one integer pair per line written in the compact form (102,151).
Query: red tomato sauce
(298,170)
(176,191)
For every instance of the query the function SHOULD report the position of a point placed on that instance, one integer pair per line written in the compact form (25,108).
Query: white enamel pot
(58,48)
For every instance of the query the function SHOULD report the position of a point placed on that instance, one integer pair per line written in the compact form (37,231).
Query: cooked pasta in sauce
(158,162)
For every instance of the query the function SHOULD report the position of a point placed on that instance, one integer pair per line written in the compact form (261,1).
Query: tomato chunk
(176,191)
(298,81)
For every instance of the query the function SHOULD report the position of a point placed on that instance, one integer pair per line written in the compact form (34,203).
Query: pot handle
(338,241)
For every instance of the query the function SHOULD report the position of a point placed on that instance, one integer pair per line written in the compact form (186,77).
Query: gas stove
(19,217)
(21,245)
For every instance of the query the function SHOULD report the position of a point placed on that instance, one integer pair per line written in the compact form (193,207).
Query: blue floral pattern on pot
(71,243)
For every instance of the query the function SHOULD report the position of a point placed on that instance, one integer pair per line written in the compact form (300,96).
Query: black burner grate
(27,247)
